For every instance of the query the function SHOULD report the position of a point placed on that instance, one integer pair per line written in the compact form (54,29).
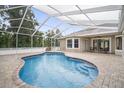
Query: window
(69,43)
(73,43)
(76,43)
(119,43)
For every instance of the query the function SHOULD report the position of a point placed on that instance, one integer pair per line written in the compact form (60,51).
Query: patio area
(84,32)
(111,72)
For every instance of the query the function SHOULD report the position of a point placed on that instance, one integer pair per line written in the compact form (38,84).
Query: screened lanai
(42,25)
(58,46)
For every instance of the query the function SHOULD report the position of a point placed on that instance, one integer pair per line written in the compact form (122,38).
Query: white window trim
(67,45)
(73,43)
(108,38)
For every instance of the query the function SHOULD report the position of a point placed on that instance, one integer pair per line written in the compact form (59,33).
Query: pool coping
(21,84)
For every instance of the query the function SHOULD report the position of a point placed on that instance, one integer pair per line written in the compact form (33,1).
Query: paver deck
(111,69)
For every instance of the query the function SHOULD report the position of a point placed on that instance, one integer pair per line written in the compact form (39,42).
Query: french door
(101,45)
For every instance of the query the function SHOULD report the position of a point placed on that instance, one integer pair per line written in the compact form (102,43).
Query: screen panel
(110,15)
(45,9)
(65,8)
(89,6)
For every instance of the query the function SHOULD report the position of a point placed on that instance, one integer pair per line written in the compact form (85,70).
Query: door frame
(106,38)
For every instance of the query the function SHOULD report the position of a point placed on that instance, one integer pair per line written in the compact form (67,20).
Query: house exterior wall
(111,39)
(82,45)
(120,52)
(80,49)
(62,44)
(86,43)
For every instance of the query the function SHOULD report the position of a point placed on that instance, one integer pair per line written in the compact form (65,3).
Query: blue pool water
(55,70)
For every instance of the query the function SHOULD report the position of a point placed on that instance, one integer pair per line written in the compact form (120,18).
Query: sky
(53,22)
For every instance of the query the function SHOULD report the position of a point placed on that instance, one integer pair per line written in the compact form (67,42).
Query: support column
(17,40)
(31,41)
(121,28)
(43,42)
(123,44)
(54,44)
(51,43)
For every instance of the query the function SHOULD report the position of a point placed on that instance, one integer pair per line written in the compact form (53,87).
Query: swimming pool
(55,70)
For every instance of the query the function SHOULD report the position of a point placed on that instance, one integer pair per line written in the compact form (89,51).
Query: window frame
(69,43)
(73,43)
(104,38)
(76,43)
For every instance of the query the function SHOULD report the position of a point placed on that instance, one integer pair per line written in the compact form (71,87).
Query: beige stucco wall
(85,46)
(120,52)
(62,44)
(80,49)
(112,42)
(82,45)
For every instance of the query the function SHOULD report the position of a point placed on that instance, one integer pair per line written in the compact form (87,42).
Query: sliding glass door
(101,45)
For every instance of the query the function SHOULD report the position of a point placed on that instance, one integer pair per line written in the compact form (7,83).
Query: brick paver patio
(111,69)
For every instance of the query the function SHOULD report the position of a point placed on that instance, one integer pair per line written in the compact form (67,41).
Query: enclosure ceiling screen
(66,18)
(85,16)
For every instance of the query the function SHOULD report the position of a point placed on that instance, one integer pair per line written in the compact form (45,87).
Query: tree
(3,18)
(58,35)
(52,33)
(38,41)
(12,26)
(6,24)
(48,36)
